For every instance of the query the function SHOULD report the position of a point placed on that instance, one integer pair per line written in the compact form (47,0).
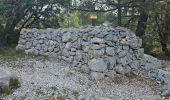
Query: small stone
(125,47)
(97,75)
(20,47)
(73,49)
(124,60)
(109,37)
(72,53)
(22,41)
(85,69)
(122,53)
(98,65)
(112,62)
(29,51)
(66,37)
(115,38)
(97,40)
(134,65)
(4,77)
(98,53)
(97,46)
(111,73)
(110,43)
(120,69)
(28,45)
(68,46)
(56,49)
(50,49)
(110,51)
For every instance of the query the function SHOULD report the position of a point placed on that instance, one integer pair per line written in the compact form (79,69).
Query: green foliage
(75,21)
(70,19)
(14,83)
(5,90)
(61,96)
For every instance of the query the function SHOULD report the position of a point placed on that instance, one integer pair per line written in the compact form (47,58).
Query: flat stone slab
(4,77)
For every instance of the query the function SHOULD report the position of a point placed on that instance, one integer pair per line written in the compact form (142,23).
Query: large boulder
(98,65)
(4,77)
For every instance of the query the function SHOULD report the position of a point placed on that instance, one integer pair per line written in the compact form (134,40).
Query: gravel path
(43,79)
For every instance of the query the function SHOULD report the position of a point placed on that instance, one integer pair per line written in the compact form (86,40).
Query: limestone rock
(110,51)
(97,75)
(20,47)
(4,77)
(98,65)
(66,37)
(119,69)
(97,40)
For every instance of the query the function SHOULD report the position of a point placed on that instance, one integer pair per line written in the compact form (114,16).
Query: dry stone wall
(100,51)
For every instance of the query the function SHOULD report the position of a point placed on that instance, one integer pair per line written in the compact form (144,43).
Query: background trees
(149,19)
(18,14)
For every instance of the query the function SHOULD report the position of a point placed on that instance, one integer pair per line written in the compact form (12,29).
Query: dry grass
(134,79)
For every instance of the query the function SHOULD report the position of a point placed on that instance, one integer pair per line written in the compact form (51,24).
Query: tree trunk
(119,13)
(11,36)
(142,21)
(165,49)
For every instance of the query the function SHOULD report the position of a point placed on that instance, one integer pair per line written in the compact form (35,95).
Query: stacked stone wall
(99,51)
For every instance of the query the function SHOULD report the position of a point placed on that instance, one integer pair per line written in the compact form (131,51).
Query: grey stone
(163,76)
(36,52)
(112,62)
(115,38)
(98,65)
(110,43)
(68,46)
(56,49)
(165,90)
(97,46)
(81,97)
(127,69)
(65,53)
(97,40)
(73,49)
(97,76)
(151,62)
(139,53)
(85,69)
(85,43)
(72,53)
(124,61)
(41,41)
(4,77)
(50,49)
(28,45)
(66,37)
(109,37)
(120,69)
(135,43)
(122,53)
(98,53)
(45,48)
(110,51)
(20,47)
(29,51)
(111,73)
(125,47)
(134,64)
(22,41)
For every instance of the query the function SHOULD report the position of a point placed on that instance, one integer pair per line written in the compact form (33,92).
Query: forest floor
(44,78)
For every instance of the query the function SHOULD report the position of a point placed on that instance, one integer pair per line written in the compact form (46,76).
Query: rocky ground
(50,79)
